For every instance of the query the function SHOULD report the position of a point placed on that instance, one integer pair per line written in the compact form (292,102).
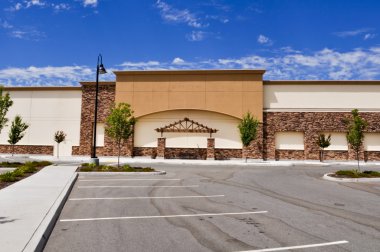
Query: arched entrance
(185,134)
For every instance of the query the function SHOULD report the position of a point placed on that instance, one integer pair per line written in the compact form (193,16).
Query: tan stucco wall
(226,137)
(231,92)
(321,96)
(46,111)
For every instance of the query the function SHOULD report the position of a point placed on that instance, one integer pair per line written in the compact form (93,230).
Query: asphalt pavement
(220,208)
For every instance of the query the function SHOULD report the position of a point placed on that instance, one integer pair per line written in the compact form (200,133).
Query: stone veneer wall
(256,148)
(220,154)
(312,123)
(106,99)
(28,149)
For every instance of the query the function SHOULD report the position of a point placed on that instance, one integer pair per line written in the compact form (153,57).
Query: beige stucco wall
(46,111)
(230,92)
(226,137)
(341,96)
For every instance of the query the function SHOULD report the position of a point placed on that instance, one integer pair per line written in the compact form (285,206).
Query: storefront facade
(194,114)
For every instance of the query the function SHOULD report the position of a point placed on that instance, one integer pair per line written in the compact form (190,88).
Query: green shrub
(29,167)
(19,172)
(8,177)
(105,168)
(43,163)
(357,174)
(348,173)
(10,164)
(86,169)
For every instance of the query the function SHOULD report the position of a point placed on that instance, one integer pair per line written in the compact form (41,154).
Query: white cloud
(178,61)
(5,25)
(27,34)
(26,4)
(90,3)
(173,15)
(60,6)
(369,36)
(45,76)
(196,36)
(325,64)
(31,3)
(141,64)
(351,33)
(264,40)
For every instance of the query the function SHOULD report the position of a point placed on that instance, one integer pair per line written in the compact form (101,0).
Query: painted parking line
(86,180)
(161,216)
(82,187)
(298,247)
(158,197)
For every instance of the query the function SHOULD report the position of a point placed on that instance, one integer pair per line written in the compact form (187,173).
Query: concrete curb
(122,173)
(40,237)
(238,162)
(327,177)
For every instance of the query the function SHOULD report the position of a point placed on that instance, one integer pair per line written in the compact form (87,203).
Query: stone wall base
(28,149)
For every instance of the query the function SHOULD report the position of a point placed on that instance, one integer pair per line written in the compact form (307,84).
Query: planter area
(108,168)
(23,170)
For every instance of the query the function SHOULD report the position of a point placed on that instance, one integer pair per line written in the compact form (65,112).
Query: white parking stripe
(160,216)
(125,179)
(158,197)
(80,187)
(298,247)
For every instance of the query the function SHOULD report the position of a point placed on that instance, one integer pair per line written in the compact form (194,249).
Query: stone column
(130,146)
(210,148)
(161,144)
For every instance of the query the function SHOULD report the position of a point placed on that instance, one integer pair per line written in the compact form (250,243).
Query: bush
(348,173)
(19,172)
(358,174)
(8,177)
(10,164)
(29,167)
(43,163)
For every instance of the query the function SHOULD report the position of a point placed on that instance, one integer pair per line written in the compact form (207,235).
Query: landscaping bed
(23,170)
(109,168)
(355,174)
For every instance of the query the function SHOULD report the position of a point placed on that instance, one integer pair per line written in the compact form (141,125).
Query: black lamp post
(99,70)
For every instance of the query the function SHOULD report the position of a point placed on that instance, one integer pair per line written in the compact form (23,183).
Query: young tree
(59,137)
(248,128)
(17,131)
(119,125)
(323,142)
(5,104)
(355,134)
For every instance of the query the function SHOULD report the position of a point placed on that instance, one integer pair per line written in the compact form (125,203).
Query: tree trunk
(118,156)
(58,150)
(357,158)
(13,149)
(323,155)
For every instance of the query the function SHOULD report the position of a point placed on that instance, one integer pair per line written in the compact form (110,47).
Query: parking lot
(219,208)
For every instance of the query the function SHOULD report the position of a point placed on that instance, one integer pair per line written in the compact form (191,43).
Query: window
(338,141)
(289,141)
(372,141)
(99,134)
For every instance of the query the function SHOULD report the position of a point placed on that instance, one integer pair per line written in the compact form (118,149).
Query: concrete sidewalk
(237,162)
(29,208)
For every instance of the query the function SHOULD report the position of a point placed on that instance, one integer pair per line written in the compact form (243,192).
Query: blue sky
(56,42)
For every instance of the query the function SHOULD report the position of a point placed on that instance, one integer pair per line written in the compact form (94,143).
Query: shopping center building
(195,113)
